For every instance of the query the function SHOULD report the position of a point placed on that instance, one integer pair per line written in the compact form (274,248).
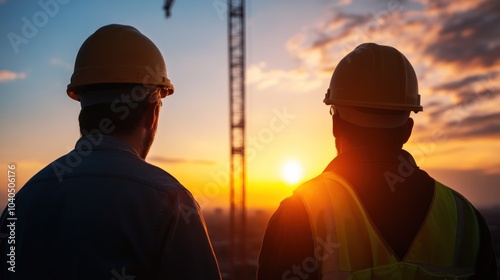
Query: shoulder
(290,204)
(106,169)
(325,179)
(290,215)
(320,190)
(307,202)
(474,219)
(460,200)
(280,251)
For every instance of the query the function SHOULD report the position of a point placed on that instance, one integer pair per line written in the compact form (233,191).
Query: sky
(292,49)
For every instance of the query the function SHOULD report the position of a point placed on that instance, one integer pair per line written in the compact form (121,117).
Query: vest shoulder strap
(347,243)
(336,215)
(456,242)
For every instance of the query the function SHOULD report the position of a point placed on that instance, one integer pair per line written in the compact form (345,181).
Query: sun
(291,172)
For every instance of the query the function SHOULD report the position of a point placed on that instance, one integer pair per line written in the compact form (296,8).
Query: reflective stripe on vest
(349,246)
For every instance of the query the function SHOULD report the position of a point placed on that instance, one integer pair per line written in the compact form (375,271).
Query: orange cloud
(7,76)
(453,47)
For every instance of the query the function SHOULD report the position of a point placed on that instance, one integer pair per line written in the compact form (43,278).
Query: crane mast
(237,164)
(237,211)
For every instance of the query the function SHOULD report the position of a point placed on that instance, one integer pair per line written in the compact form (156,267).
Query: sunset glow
(293,48)
(292,172)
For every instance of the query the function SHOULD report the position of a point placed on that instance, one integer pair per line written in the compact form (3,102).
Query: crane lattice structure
(237,222)
(237,180)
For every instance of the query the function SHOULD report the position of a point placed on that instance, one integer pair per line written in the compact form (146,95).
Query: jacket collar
(101,142)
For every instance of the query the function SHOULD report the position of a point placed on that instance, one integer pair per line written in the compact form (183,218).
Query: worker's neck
(137,141)
(346,146)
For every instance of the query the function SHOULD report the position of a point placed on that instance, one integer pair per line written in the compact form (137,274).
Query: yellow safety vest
(349,246)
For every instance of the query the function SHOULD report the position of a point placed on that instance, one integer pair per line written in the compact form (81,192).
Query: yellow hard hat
(374,76)
(119,54)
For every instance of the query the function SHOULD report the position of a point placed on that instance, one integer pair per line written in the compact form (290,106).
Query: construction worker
(373,214)
(101,211)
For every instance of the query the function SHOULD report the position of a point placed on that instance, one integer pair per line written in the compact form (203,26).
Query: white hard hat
(119,54)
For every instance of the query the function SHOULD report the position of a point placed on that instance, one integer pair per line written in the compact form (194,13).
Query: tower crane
(237,222)
(237,162)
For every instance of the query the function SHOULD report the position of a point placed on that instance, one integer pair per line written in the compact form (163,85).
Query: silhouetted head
(133,109)
(119,79)
(372,92)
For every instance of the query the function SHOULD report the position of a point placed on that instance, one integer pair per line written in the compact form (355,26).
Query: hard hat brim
(379,105)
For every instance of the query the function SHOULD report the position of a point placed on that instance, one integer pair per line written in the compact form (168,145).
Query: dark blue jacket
(101,212)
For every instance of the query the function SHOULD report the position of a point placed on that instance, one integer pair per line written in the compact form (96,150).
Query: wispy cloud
(485,182)
(60,63)
(293,80)
(181,160)
(344,2)
(480,125)
(453,45)
(7,76)
(469,36)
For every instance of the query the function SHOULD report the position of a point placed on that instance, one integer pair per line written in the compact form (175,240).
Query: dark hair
(116,118)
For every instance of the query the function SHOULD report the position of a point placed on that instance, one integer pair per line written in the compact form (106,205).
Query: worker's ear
(337,132)
(408,127)
(152,115)
(335,125)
